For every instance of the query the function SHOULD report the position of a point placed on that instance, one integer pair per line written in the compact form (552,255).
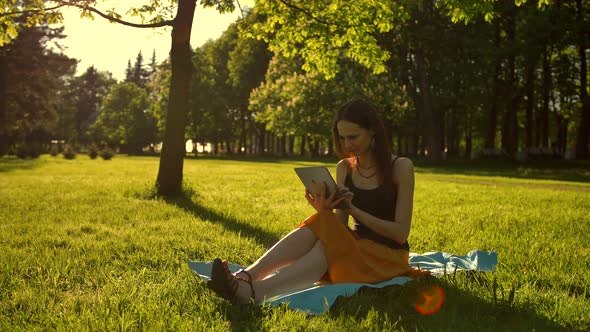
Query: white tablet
(318,174)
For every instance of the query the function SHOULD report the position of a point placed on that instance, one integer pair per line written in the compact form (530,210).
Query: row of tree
(448,76)
(43,100)
(514,79)
(515,83)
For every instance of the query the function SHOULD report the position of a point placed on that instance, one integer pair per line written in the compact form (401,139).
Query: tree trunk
(562,124)
(302,145)
(432,136)
(291,145)
(509,127)
(583,137)
(3,103)
(169,180)
(243,133)
(546,90)
(314,147)
(468,141)
(230,147)
(490,138)
(282,146)
(530,103)
(261,138)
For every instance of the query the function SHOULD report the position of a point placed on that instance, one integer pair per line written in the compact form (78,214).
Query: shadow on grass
(10,164)
(393,308)
(245,317)
(461,311)
(560,170)
(229,222)
(268,159)
(550,169)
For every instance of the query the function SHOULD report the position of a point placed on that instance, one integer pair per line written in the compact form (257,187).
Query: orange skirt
(355,260)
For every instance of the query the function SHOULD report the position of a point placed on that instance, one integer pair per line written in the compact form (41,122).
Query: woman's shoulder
(342,170)
(345,163)
(402,164)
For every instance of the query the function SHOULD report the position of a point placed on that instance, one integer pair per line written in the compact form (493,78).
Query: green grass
(84,247)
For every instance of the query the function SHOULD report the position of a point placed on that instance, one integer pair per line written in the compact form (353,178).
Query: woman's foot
(233,288)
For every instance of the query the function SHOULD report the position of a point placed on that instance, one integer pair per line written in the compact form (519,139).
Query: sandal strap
(223,282)
(249,282)
(227,287)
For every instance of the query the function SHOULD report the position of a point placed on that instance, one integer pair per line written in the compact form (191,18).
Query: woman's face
(354,138)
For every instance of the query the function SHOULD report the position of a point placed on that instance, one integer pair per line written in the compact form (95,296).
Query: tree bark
(468,141)
(302,145)
(291,145)
(530,103)
(314,147)
(261,138)
(546,90)
(3,85)
(169,180)
(490,138)
(583,138)
(283,147)
(509,127)
(432,136)
(243,139)
(562,124)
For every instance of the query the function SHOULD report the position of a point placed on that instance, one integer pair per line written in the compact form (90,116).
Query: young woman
(377,189)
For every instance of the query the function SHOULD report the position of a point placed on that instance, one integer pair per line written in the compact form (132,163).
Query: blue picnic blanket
(318,299)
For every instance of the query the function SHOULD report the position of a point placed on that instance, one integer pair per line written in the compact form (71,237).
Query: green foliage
(106,153)
(225,72)
(159,87)
(137,74)
(69,152)
(22,152)
(85,251)
(318,33)
(54,150)
(28,150)
(31,78)
(87,93)
(93,151)
(12,20)
(290,102)
(125,118)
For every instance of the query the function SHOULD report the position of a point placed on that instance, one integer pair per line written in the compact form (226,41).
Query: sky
(108,46)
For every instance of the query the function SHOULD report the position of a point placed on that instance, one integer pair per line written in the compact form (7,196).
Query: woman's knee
(319,252)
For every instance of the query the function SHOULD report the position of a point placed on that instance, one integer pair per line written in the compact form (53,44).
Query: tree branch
(31,11)
(94,10)
(117,20)
(308,14)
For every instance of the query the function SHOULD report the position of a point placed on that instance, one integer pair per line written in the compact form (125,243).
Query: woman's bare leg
(300,274)
(290,248)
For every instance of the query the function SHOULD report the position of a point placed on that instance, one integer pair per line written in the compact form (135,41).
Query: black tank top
(379,202)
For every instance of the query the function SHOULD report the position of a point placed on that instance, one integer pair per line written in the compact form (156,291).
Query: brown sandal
(225,284)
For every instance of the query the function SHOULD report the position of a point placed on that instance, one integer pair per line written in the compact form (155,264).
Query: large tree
(89,90)
(31,79)
(125,119)
(322,33)
(153,14)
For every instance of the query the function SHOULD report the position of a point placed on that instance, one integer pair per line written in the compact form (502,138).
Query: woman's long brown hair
(364,115)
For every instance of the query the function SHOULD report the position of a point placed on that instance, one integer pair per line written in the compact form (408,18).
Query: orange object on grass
(430,300)
(355,260)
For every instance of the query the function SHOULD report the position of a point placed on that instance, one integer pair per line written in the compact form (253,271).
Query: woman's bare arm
(399,230)
(341,171)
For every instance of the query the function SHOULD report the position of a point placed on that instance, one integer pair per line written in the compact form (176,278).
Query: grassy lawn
(85,247)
